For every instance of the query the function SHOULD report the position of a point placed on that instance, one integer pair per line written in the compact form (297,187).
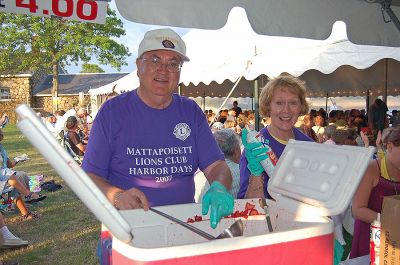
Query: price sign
(93,11)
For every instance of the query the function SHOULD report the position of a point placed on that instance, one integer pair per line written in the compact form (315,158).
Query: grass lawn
(67,233)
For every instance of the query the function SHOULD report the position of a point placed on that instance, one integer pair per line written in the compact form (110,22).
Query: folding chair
(5,122)
(65,142)
(5,194)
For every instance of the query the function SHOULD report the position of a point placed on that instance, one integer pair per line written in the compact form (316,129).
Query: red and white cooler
(311,182)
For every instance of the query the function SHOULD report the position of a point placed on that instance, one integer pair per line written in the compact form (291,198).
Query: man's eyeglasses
(156,63)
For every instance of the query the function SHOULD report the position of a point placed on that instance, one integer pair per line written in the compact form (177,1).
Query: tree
(31,43)
(91,68)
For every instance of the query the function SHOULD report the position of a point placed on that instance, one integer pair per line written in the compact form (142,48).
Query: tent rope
(233,89)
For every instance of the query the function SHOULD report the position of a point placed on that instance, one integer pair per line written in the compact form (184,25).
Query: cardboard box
(390,231)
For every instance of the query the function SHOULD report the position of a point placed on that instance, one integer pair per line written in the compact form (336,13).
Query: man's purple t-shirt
(277,147)
(156,151)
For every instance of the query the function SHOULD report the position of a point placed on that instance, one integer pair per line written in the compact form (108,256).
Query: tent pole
(326,103)
(227,97)
(204,102)
(386,80)
(393,18)
(257,111)
(367,101)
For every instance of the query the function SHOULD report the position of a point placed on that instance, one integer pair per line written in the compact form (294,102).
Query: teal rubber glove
(338,253)
(255,153)
(219,200)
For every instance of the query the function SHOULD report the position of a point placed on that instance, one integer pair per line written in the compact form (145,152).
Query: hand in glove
(255,153)
(219,200)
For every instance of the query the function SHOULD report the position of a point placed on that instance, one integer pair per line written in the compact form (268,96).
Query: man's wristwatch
(116,198)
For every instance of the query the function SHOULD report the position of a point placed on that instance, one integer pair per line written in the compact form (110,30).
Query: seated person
(72,136)
(16,183)
(382,178)
(8,239)
(15,188)
(329,133)
(319,128)
(6,164)
(229,143)
(50,123)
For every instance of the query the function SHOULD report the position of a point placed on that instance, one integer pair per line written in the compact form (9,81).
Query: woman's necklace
(394,180)
(392,168)
(278,137)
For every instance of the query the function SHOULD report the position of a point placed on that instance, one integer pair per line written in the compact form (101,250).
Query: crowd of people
(17,188)
(72,126)
(283,106)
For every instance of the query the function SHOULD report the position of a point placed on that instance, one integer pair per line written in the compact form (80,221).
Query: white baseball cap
(163,39)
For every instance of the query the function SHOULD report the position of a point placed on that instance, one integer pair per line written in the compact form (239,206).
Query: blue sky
(134,34)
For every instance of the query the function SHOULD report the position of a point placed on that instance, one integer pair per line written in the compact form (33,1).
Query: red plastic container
(158,241)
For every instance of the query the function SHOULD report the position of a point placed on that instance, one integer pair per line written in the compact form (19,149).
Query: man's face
(52,119)
(158,81)
(81,113)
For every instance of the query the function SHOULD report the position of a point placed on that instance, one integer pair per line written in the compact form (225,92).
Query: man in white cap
(145,145)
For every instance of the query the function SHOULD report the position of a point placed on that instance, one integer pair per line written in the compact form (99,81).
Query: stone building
(29,89)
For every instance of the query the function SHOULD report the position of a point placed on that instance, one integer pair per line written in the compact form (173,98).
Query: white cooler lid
(318,179)
(83,186)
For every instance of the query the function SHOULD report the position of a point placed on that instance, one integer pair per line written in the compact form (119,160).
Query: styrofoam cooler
(311,181)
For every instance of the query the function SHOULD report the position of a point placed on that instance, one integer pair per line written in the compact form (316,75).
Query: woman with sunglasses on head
(382,178)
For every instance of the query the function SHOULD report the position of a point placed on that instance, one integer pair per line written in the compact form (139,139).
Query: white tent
(220,57)
(373,22)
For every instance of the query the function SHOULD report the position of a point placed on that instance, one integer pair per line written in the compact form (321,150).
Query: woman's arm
(219,171)
(360,200)
(255,188)
(81,147)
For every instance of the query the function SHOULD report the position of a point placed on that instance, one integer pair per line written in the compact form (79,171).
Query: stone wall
(44,103)
(20,92)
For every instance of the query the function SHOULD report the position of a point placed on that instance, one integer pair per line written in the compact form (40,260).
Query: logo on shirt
(182,131)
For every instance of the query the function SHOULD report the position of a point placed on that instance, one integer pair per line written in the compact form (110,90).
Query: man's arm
(121,199)
(219,171)
(218,199)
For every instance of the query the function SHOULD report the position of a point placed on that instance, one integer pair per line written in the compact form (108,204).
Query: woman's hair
(229,124)
(283,82)
(330,130)
(340,136)
(319,120)
(307,119)
(71,122)
(391,135)
(227,141)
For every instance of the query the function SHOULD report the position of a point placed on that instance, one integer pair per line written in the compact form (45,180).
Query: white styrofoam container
(311,181)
